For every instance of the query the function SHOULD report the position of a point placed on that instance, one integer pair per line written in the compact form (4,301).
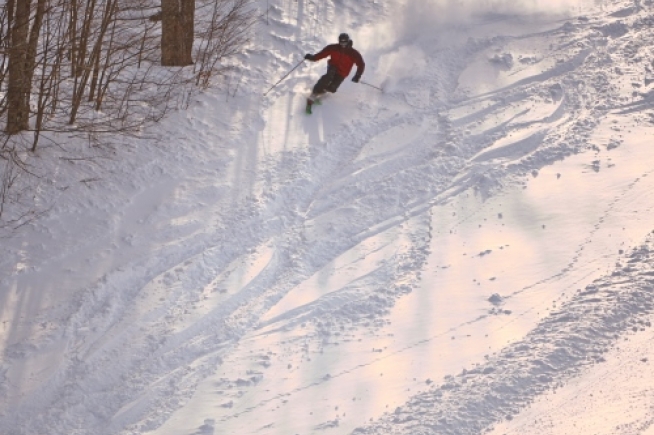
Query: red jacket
(343,58)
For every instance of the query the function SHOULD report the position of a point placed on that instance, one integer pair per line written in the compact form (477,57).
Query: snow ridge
(560,347)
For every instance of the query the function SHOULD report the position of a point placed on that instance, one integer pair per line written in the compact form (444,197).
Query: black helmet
(343,39)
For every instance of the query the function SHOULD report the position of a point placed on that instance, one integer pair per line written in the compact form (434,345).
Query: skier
(342,57)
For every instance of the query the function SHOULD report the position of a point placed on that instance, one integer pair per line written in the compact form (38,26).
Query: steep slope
(261,271)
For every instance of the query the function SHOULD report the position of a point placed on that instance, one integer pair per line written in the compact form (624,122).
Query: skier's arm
(361,66)
(322,53)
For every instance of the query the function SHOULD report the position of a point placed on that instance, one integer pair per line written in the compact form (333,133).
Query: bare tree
(88,65)
(225,29)
(92,68)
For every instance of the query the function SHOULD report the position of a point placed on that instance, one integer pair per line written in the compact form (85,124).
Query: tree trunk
(177,28)
(72,36)
(188,29)
(30,57)
(18,87)
(11,5)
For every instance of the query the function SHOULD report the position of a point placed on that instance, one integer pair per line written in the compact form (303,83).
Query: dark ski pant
(329,82)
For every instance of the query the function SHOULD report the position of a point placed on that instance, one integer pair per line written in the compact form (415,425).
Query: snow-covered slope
(469,251)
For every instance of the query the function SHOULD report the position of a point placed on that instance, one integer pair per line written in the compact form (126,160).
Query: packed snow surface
(469,251)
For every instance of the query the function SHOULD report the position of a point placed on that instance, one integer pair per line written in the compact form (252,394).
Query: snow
(470,251)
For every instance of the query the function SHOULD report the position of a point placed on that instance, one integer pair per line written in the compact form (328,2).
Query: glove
(356,79)
(308,56)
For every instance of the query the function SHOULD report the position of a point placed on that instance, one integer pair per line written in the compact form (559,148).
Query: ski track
(138,342)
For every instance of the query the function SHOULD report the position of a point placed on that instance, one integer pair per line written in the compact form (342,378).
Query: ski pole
(287,74)
(372,86)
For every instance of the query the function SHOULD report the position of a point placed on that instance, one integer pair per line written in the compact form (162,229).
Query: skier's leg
(324,81)
(335,83)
